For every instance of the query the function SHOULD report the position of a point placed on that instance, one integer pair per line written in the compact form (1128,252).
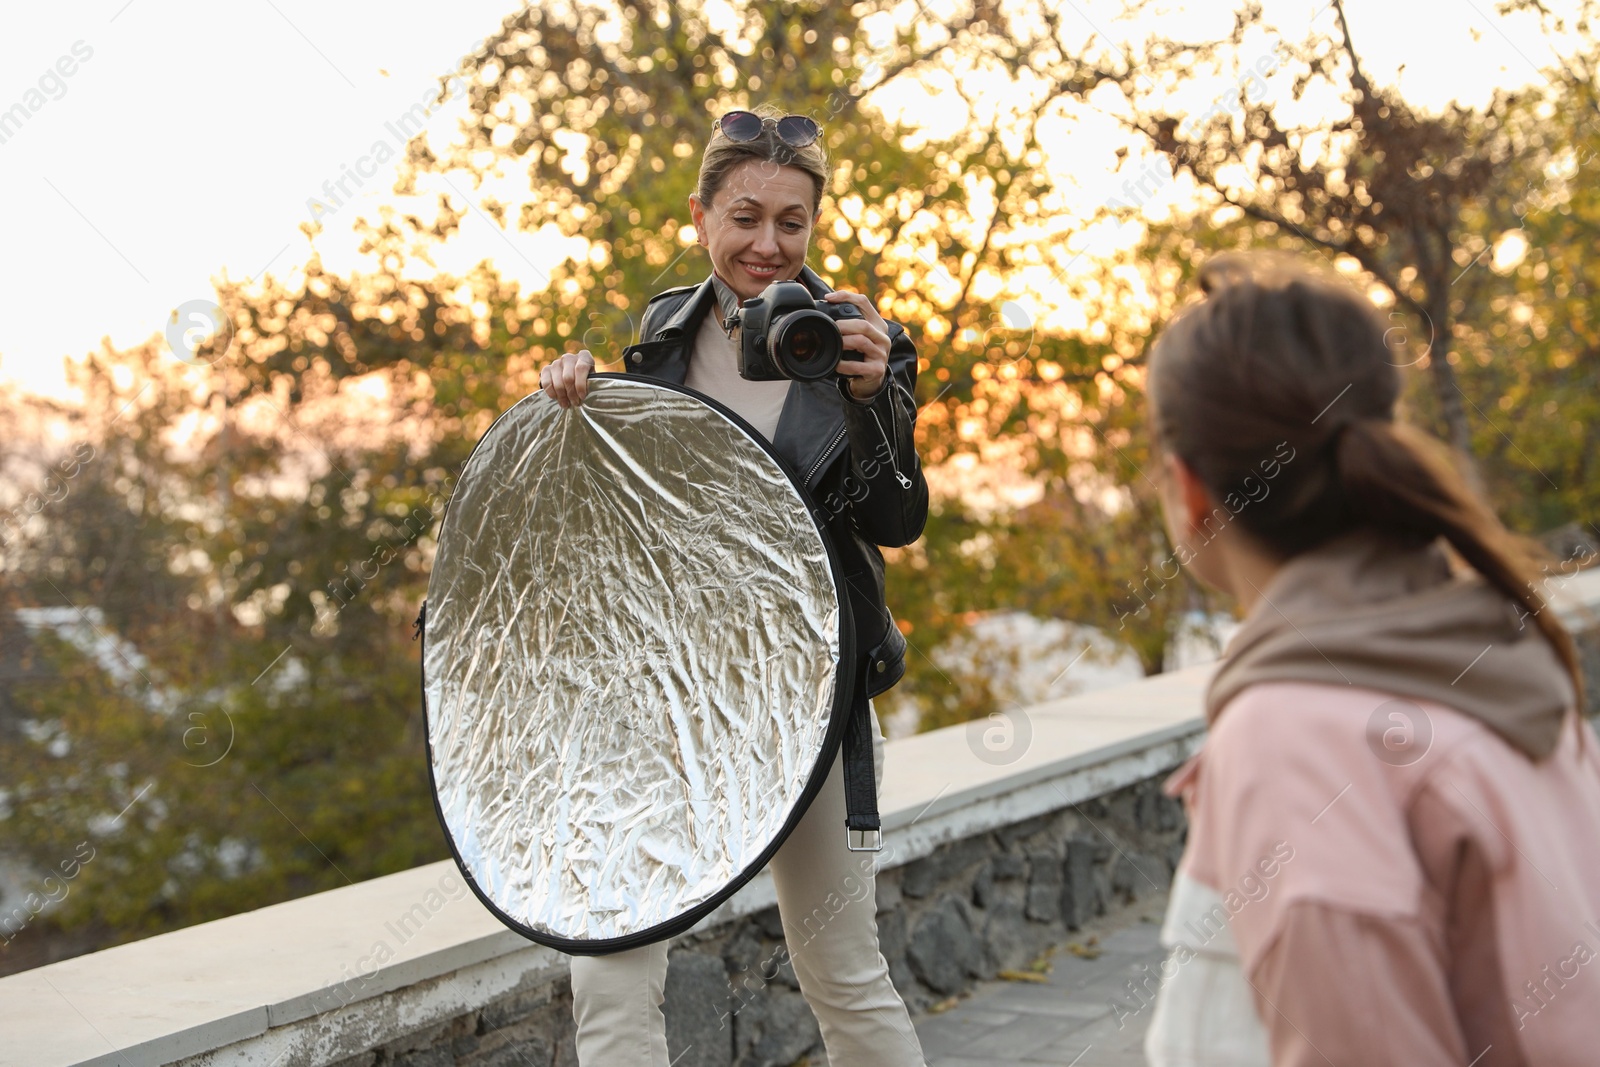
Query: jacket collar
(727,300)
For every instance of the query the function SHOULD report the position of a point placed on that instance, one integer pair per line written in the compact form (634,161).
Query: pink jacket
(1376,879)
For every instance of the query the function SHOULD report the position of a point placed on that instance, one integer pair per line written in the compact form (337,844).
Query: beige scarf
(1365,611)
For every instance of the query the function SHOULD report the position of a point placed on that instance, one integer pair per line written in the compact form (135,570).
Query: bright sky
(187,138)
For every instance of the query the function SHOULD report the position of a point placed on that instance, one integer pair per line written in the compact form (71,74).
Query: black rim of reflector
(843,698)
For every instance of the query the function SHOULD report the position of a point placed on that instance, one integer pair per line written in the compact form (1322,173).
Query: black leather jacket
(858,459)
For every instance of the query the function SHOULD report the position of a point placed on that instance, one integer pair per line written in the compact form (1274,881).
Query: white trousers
(826,901)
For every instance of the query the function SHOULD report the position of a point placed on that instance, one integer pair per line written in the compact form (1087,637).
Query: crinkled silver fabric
(632,646)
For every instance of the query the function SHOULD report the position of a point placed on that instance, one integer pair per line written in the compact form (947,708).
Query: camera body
(786,334)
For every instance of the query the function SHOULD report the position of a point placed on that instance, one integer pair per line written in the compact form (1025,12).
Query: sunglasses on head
(796,131)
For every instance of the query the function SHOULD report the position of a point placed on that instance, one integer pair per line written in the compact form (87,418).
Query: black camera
(784,333)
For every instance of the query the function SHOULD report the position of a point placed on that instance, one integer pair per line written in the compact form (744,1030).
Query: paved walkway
(1066,1020)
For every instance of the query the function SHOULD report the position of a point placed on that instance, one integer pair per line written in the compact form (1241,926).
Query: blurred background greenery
(211,567)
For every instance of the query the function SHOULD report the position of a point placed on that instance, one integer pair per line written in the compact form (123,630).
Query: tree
(1383,184)
(1534,336)
(227,713)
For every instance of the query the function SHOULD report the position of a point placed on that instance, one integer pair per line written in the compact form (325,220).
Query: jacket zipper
(894,462)
(824,457)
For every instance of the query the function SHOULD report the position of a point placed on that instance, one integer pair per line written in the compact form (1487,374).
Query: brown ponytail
(1277,352)
(1401,479)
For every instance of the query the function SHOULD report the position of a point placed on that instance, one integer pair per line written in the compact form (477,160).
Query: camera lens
(806,345)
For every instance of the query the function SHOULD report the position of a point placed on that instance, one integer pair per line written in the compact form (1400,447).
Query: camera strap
(860,784)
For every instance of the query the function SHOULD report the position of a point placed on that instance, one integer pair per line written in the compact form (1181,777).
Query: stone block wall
(531,1028)
(972,908)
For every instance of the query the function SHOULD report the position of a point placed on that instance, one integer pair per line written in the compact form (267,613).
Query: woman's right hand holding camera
(567,379)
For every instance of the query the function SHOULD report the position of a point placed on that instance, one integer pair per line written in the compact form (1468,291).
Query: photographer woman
(851,440)
(1394,823)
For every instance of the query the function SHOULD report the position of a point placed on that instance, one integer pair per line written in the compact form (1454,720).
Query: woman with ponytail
(1394,837)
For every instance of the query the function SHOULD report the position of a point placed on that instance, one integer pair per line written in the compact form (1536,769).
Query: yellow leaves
(1021,976)
(1087,949)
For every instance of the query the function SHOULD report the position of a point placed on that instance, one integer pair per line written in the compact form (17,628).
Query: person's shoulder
(1286,714)
(663,303)
(1294,745)
(670,299)
(1278,735)
(677,290)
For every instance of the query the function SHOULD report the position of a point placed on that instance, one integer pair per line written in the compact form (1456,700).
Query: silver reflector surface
(631,663)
